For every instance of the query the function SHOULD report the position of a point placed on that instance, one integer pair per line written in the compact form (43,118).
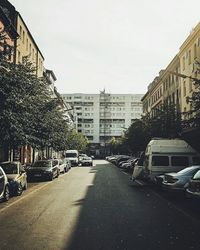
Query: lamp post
(185,76)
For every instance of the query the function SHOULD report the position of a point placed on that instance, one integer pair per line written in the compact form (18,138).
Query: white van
(73,156)
(163,156)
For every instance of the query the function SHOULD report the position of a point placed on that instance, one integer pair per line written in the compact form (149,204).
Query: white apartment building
(103,116)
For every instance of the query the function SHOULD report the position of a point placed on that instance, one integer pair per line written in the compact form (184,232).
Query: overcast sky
(119,45)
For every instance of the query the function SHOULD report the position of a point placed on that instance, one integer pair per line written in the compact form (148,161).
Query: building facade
(25,45)
(102,116)
(176,83)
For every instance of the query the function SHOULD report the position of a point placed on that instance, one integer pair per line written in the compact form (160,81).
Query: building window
(20,32)
(184,89)
(183,63)
(190,85)
(27,44)
(195,51)
(19,55)
(189,57)
(23,37)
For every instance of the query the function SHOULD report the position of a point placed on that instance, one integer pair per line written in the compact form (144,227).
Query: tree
(76,140)
(166,123)
(118,145)
(29,115)
(137,136)
(193,116)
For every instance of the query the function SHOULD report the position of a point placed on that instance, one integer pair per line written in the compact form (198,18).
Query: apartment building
(103,116)
(188,54)
(25,45)
(175,83)
(165,88)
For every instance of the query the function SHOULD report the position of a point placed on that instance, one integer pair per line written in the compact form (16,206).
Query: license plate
(37,175)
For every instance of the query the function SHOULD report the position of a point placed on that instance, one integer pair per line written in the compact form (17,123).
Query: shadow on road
(116,214)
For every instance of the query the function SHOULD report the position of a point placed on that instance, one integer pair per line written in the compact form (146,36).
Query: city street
(97,208)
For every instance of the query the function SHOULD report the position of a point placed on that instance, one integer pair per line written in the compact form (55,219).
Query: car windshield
(9,168)
(44,164)
(71,155)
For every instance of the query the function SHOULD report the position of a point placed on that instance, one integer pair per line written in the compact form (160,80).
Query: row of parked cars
(124,162)
(14,176)
(186,180)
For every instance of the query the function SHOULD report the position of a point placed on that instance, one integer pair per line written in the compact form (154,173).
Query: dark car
(44,169)
(16,175)
(4,186)
(193,189)
(179,181)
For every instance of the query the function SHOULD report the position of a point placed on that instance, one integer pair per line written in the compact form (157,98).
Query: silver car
(4,186)
(179,181)
(16,175)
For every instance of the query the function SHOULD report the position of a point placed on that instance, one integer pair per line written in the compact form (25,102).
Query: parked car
(129,164)
(16,175)
(87,161)
(81,156)
(4,186)
(122,158)
(61,166)
(67,164)
(193,189)
(44,169)
(179,181)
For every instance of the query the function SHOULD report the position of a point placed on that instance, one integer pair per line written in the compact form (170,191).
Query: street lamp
(185,76)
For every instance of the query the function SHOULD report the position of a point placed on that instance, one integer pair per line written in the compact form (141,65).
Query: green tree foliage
(28,114)
(118,145)
(77,141)
(192,117)
(165,123)
(137,136)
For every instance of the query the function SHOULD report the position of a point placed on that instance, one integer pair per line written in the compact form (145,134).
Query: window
(23,36)
(180,161)
(19,55)
(196,160)
(184,89)
(190,85)
(20,32)
(189,57)
(160,161)
(195,51)
(183,63)
(27,44)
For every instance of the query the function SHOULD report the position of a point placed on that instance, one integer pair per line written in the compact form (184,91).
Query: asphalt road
(96,208)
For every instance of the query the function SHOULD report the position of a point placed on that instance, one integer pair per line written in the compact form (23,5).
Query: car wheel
(58,173)
(19,190)
(6,194)
(50,178)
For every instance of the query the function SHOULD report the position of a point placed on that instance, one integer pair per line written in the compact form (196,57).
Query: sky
(116,45)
